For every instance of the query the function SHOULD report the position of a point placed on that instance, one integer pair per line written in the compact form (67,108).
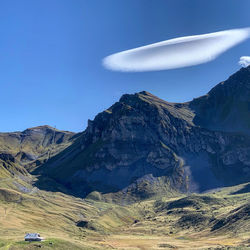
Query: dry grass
(146,225)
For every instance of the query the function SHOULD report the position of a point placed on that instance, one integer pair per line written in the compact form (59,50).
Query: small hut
(33,237)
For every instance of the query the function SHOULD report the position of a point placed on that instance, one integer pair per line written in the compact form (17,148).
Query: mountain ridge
(20,151)
(147,145)
(226,106)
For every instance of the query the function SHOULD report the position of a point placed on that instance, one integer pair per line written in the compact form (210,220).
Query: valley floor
(219,219)
(133,241)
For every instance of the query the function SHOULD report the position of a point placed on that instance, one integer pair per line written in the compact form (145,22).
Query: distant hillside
(20,151)
(143,146)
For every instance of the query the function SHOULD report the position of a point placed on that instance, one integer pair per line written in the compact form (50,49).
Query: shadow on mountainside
(147,145)
(140,178)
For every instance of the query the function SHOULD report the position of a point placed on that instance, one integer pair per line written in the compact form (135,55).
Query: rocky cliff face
(144,145)
(227,106)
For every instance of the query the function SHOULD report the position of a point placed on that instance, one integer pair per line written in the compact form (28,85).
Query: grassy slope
(184,221)
(32,146)
(35,140)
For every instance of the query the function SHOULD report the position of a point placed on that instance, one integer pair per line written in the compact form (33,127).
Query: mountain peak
(142,96)
(241,76)
(226,106)
(45,128)
(126,97)
(145,93)
(42,127)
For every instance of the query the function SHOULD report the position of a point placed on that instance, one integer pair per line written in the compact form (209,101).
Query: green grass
(52,243)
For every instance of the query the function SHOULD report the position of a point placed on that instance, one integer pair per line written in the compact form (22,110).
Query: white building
(33,237)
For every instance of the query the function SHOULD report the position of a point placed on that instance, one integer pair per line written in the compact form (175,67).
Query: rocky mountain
(143,146)
(227,106)
(20,151)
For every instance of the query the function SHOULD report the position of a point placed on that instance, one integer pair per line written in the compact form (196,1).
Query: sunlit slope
(218,218)
(34,143)
(22,151)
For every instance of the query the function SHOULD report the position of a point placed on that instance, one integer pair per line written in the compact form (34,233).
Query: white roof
(32,235)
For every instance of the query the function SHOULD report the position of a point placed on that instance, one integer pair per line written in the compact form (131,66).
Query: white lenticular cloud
(176,53)
(244,61)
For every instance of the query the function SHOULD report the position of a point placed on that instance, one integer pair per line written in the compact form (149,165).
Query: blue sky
(51,53)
